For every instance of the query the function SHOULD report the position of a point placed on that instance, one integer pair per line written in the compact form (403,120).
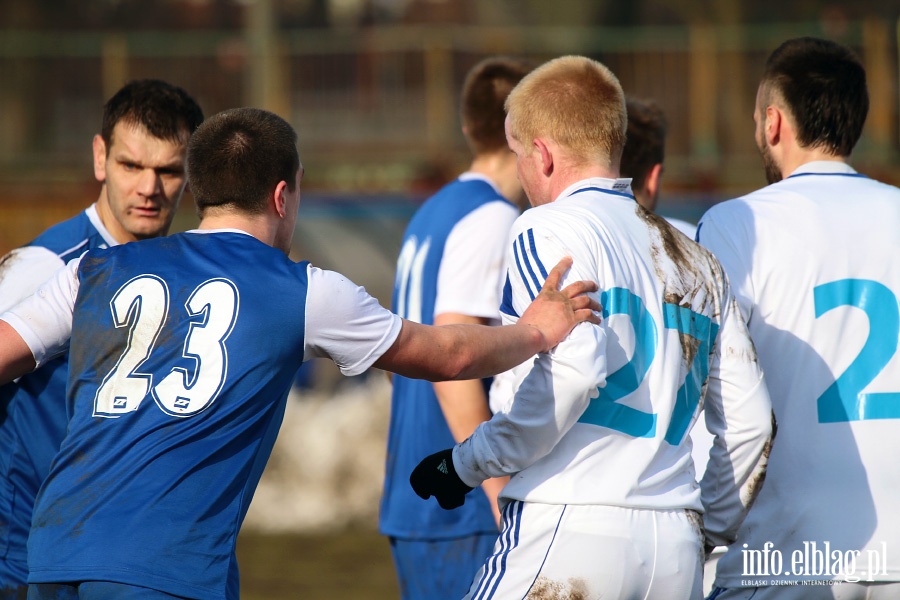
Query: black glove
(435,476)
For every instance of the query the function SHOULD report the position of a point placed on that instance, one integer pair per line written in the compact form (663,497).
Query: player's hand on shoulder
(555,312)
(436,476)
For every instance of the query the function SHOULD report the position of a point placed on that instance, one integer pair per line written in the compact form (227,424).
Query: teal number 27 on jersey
(607,411)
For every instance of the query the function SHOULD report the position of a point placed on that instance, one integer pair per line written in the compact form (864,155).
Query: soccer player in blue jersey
(183,350)
(139,159)
(602,501)
(451,270)
(813,261)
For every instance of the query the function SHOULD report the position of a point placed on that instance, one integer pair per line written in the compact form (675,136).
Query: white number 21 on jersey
(141,305)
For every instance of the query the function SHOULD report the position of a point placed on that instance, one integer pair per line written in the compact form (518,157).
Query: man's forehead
(133,131)
(134,139)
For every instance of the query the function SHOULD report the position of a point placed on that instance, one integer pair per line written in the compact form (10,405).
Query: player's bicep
(16,358)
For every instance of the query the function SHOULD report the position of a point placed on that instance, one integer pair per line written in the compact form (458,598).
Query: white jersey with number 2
(813,261)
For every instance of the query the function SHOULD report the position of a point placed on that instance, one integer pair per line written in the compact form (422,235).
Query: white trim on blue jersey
(27,267)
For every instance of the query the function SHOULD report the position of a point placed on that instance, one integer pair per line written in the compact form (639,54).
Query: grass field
(340,565)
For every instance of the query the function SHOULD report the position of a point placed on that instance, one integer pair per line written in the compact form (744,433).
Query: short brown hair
(484,93)
(238,157)
(646,140)
(166,111)
(823,86)
(575,101)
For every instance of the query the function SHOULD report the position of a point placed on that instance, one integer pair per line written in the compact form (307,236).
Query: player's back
(198,338)
(467,216)
(811,259)
(662,296)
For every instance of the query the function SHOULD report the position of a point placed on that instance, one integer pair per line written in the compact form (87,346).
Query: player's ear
(99,147)
(651,183)
(773,125)
(279,200)
(546,156)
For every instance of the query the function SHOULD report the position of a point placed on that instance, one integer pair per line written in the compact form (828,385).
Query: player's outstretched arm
(15,355)
(477,351)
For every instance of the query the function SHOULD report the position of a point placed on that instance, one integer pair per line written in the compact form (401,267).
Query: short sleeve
(44,319)
(346,324)
(23,270)
(471,274)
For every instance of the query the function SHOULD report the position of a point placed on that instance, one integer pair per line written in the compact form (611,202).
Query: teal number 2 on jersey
(844,399)
(607,411)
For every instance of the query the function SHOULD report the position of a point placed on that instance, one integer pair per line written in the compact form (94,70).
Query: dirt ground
(345,565)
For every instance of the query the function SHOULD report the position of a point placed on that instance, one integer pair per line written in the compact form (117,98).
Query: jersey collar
(824,167)
(614,187)
(473,176)
(94,217)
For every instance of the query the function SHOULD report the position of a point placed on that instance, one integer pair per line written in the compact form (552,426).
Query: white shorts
(592,552)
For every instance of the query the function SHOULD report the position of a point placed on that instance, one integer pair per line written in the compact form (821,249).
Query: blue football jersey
(417,426)
(32,409)
(182,354)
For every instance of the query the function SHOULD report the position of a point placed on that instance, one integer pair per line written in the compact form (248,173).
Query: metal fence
(376,108)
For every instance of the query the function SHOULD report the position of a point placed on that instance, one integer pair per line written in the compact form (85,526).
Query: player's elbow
(455,366)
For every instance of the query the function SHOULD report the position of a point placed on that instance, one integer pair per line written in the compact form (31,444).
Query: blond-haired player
(602,500)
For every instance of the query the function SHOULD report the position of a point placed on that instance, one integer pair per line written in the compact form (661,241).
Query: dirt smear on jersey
(696,521)
(684,268)
(758,475)
(681,265)
(547,589)
(7,261)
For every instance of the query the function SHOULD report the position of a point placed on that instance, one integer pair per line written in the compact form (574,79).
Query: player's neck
(256,225)
(798,159)
(566,175)
(500,168)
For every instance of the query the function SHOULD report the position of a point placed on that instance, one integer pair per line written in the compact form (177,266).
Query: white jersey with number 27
(604,418)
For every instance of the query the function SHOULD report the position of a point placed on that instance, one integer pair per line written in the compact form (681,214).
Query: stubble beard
(773,171)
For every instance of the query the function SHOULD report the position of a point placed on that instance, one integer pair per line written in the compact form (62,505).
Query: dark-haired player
(812,260)
(139,160)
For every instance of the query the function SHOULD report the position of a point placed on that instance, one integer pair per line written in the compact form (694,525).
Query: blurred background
(372,87)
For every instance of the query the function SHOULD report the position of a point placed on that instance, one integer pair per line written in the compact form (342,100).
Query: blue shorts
(439,569)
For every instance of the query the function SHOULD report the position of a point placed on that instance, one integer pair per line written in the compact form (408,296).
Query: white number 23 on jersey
(142,305)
